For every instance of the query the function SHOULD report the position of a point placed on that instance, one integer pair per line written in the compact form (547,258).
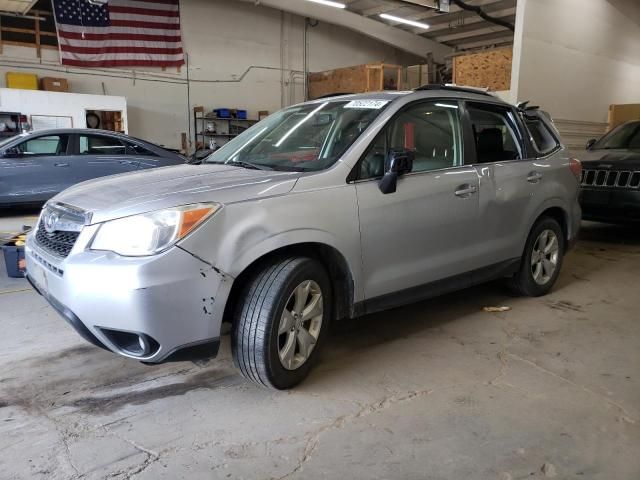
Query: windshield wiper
(249,165)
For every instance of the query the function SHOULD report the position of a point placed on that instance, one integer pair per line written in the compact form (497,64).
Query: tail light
(576,167)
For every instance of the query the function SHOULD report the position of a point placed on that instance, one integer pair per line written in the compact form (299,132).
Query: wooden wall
(342,80)
(490,69)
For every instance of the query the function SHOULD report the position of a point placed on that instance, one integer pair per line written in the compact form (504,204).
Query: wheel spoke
(544,239)
(286,322)
(537,271)
(305,342)
(552,246)
(548,267)
(302,294)
(288,351)
(313,309)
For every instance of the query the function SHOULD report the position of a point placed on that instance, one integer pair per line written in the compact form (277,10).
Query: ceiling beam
(467,23)
(395,37)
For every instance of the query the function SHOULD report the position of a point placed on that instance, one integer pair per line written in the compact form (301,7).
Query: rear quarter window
(544,142)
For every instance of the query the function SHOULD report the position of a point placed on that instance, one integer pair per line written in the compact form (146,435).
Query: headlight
(150,233)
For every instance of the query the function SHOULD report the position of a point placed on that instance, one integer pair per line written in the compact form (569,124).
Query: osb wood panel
(341,80)
(490,69)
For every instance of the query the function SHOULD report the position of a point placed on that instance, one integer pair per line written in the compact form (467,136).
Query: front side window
(543,140)
(41,146)
(626,135)
(307,137)
(99,145)
(430,130)
(494,131)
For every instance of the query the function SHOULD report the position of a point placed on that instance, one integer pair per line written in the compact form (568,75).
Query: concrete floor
(436,390)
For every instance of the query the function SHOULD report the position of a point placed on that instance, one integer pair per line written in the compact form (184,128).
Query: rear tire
(541,261)
(280,321)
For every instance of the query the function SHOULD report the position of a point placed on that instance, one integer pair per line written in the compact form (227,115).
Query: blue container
(241,114)
(12,257)
(223,112)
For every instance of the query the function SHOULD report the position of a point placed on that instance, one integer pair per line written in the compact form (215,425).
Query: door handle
(60,164)
(465,190)
(534,177)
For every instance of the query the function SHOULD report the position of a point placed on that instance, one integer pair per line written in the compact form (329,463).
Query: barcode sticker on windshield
(367,104)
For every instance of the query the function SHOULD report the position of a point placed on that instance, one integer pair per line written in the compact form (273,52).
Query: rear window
(543,140)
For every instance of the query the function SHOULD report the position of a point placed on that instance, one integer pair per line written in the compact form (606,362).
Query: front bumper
(171,301)
(610,205)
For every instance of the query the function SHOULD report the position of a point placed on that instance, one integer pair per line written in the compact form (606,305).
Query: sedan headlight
(153,232)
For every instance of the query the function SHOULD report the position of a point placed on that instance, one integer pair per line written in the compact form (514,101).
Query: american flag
(120,33)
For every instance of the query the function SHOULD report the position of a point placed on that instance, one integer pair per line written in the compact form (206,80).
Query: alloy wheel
(544,257)
(300,325)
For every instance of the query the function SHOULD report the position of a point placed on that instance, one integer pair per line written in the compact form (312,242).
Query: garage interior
(474,384)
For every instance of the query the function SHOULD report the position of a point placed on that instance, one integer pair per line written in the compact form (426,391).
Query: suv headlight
(153,232)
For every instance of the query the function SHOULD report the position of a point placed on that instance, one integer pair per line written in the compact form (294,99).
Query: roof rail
(454,88)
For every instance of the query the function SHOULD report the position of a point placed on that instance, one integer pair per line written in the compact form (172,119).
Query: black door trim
(439,287)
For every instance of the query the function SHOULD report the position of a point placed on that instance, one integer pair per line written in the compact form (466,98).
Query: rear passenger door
(509,179)
(99,155)
(427,229)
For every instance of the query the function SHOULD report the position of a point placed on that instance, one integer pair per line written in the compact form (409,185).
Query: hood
(139,192)
(618,159)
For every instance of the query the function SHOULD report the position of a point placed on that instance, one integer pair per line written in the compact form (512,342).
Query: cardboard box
(52,84)
(619,114)
(24,81)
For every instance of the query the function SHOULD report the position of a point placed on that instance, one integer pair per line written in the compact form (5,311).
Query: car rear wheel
(280,321)
(541,260)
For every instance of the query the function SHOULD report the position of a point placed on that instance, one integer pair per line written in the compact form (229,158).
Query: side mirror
(397,163)
(590,143)
(12,152)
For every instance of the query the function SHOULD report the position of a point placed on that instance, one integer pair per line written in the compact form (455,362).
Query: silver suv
(326,210)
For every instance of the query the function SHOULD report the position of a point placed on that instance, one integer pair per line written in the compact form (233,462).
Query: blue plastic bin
(223,112)
(241,114)
(12,257)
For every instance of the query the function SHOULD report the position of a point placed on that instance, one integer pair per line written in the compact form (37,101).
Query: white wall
(223,39)
(576,57)
(74,105)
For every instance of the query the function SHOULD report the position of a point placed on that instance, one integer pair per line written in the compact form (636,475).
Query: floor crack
(627,416)
(365,410)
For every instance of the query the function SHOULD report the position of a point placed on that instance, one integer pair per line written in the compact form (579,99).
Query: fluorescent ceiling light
(329,4)
(404,20)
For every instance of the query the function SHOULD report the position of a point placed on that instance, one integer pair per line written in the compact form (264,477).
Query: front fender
(241,233)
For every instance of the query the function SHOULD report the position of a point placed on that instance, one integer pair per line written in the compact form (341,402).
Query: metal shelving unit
(11,117)
(225,128)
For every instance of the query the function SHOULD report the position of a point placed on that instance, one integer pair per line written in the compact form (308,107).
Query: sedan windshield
(624,136)
(307,137)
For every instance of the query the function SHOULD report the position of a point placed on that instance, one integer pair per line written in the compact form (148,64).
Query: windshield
(10,139)
(624,136)
(307,137)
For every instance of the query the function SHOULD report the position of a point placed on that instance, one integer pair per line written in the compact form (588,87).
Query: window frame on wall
(28,32)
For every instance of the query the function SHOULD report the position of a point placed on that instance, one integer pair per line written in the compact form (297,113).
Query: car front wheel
(280,322)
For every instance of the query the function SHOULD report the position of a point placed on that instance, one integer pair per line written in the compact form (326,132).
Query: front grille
(57,243)
(610,178)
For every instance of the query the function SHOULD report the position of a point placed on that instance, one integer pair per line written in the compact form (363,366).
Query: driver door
(34,170)
(425,231)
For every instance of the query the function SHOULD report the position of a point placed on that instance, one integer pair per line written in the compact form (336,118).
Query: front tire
(541,260)
(280,321)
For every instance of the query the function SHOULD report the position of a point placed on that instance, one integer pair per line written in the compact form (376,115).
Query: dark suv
(611,176)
